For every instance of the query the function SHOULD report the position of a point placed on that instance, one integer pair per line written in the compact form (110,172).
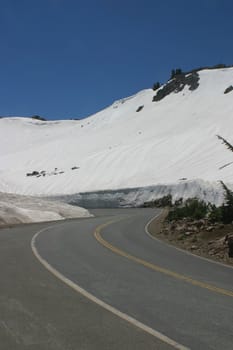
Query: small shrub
(192,208)
(165,201)
(215,213)
(178,202)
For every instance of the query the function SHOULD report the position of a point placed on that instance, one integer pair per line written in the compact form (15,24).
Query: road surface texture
(187,299)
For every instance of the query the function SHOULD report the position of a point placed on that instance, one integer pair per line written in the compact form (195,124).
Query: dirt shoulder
(198,237)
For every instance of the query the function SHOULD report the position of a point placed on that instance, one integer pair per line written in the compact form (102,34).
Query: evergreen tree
(227,208)
(178,71)
(173,73)
(156,86)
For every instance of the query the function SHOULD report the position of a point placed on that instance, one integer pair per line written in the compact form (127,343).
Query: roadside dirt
(199,237)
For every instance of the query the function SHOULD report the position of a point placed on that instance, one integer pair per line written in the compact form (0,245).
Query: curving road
(180,301)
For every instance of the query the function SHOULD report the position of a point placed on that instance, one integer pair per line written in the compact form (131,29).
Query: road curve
(182,297)
(39,312)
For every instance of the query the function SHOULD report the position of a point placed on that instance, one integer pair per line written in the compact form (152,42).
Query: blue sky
(68,59)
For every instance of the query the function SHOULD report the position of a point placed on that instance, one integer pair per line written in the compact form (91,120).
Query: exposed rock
(200,236)
(228,89)
(33,173)
(210,242)
(198,223)
(188,233)
(139,108)
(38,117)
(211,252)
(209,228)
(177,84)
(221,226)
(181,228)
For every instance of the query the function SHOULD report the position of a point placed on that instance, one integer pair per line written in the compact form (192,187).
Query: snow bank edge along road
(15,209)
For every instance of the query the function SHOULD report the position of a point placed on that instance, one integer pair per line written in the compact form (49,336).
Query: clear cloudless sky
(70,58)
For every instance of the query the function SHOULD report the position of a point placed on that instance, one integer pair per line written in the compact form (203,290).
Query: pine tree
(173,73)
(227,208)
(156,86)
(178,71)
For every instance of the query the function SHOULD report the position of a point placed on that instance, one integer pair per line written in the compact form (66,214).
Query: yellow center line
(101,303)
(154,267)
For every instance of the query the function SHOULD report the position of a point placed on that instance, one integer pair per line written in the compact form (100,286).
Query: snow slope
(166,141)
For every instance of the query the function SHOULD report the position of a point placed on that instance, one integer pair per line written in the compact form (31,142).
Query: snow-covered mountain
(136,142)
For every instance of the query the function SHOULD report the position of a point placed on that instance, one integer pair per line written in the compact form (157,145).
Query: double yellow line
(154,267)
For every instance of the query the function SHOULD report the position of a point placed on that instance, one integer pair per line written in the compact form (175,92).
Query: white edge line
(101,303)
(180,249)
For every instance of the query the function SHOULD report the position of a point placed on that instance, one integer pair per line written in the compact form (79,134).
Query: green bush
(165,201)
(215,213)
(197,209)
(192,208)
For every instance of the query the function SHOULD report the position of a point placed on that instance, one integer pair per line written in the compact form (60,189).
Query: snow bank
(16,209)
(207,191)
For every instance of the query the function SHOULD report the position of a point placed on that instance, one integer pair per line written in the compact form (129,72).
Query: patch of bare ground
(200,237)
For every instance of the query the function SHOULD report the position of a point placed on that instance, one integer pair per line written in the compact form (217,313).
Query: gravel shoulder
(206,243)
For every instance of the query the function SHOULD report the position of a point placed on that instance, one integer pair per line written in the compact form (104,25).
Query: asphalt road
(187,299)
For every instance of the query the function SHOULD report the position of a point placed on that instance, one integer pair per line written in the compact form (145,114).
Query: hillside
(170,141)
